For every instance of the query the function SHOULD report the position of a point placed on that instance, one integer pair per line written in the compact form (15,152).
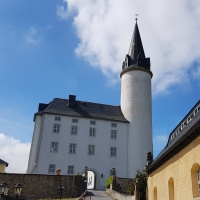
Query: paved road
(98,195)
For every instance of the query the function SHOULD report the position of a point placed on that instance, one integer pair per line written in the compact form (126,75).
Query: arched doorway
(91,180)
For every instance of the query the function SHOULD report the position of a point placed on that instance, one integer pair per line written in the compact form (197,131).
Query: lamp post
(113,171)
(4,190)
(18,189)
(61,188)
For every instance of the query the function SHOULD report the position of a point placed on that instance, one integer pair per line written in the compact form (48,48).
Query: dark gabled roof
(183,137)
(136,56)
(82,109)
(3,162)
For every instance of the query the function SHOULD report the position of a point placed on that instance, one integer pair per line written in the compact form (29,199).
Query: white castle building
(71,134)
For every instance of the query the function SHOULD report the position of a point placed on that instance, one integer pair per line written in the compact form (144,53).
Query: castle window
(171,188)
(52,169)
(113,151)
(57,119)
(74,130)
(72,148)
(56,128)
(91,149)
(54,146)
(92,122)
(113,125)
(195,175)
(70,169)
(92,132)
(113,134)
(74,120)
(155,193)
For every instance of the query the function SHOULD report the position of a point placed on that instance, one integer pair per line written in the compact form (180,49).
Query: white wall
(34,145)
(100,163)
(136,107)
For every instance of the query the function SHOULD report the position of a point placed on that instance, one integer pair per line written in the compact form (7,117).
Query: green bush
(79,175)
(108,181)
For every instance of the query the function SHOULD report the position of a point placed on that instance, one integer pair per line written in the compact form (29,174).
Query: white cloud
(32,37)
(169,29)
(15,153)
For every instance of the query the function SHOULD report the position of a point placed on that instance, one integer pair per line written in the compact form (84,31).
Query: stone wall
(35,186)
(123,185)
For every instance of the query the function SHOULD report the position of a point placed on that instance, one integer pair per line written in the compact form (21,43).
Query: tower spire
(136,56)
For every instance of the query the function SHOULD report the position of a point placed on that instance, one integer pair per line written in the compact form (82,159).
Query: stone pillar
(86,177)
(137,192)
(113,179)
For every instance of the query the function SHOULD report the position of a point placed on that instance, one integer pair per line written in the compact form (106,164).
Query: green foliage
(78,175)
(141,180)
(108,181)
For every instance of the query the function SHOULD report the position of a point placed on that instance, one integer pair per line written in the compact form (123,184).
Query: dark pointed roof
(136,47)
(136,56)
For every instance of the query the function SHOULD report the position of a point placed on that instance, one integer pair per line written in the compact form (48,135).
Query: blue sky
(55,48)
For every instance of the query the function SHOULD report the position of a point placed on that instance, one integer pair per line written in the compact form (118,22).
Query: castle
(71,134)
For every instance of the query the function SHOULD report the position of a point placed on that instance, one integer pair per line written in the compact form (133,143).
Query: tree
(141,181)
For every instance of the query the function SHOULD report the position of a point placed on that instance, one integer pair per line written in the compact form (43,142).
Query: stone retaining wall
(37,186)
(122,185)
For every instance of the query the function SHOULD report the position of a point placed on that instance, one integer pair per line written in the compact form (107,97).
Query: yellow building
(3,166)
(175,173)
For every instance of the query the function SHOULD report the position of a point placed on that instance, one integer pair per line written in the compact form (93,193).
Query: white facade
(41,156)
(70,134)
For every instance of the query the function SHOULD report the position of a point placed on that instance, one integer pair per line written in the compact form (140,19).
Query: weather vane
(136,17)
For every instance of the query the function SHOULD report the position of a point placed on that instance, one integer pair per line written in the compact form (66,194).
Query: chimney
(72,100)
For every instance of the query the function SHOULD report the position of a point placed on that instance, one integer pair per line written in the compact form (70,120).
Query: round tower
(136,103)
